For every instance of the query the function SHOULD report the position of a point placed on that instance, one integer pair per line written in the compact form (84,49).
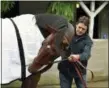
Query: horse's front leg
(31,81)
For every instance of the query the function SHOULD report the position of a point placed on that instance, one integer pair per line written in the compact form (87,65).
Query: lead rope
(78,70)
(78,63)
(86,69)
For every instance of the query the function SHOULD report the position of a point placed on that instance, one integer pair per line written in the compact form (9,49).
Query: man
(79,50)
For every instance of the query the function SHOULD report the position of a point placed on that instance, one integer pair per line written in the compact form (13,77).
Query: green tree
(64,8)
(6,5)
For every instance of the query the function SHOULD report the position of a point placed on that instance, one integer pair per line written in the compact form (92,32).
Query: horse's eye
(44,43)
(64,45)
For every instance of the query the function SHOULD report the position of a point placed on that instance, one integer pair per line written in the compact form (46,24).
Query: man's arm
(85,55)
(87,51)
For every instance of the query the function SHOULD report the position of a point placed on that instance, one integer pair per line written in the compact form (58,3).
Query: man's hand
(74,57)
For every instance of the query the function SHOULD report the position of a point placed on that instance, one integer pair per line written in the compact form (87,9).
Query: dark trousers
(66,80)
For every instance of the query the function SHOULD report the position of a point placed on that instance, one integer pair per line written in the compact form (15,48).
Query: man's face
(81,29)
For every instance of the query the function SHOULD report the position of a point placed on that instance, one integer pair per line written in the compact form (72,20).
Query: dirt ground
(100,84)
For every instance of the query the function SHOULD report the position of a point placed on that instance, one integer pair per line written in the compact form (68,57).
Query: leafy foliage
(6,5)
(63,8)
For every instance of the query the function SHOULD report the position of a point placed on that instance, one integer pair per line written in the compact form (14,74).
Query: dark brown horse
(52,47)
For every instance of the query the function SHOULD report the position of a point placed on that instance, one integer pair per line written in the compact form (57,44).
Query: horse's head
(52,46)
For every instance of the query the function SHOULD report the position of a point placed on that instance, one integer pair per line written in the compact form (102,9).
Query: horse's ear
(50,29)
